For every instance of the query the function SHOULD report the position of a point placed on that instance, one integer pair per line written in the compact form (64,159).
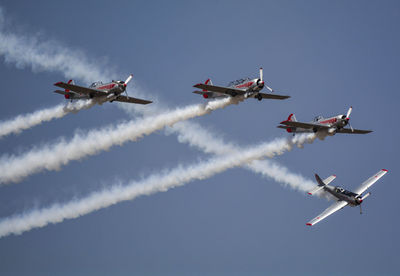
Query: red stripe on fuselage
(248,84)
(104,87)
(329,121)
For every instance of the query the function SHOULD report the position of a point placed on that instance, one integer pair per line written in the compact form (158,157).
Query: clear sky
(328,55)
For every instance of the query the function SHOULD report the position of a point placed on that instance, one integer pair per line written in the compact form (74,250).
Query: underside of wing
(304,125)
(354,131)
(284,127)
(328,211)
(62,92)
(370,181)
(126,99)
(80,89)
(273,96)
(224,90)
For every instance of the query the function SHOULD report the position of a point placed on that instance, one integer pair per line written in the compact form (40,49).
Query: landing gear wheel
(259,97)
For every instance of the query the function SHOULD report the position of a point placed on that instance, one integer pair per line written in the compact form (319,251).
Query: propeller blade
(360,210)
(349,112)
(269,88)
(261,74)
(128,79)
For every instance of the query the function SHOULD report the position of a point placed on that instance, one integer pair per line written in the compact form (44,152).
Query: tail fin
(209,82)
(320,186)
(69,82)
(67,94)
(321,183)
(292,118)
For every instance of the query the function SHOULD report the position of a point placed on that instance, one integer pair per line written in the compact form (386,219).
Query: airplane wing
(62,92)
(370,181)
(354,131)
(224,90)
(273,96)
(329,179)
(234,91)
(328,211)
(126,99)
(304,125)
(80,89)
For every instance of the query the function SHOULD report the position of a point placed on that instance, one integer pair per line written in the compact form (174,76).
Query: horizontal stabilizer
(321,183)
(316,189)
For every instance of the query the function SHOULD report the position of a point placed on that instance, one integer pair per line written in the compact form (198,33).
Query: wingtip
(57,83)
(385,170)
(309,193)
(309,224)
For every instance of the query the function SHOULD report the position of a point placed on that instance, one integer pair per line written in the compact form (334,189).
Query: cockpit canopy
(96,83)
(345,192)
(318,118)
(339,190)
(237,82)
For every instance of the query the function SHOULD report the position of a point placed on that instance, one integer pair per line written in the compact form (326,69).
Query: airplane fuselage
(251,86)
(334,123)
(112,89)
(342,194)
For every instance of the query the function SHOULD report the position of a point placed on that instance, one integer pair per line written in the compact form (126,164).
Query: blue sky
(327,56)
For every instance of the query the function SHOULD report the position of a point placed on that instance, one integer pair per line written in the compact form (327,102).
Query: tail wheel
(259,97)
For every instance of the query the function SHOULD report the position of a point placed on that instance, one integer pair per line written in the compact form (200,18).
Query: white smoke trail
(196,136)
(22,122)
(39,54)
(52,157)
(157,183)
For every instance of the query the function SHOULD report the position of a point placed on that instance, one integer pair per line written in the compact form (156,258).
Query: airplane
(249,88)
(107,92)
(343,196)
(328,126)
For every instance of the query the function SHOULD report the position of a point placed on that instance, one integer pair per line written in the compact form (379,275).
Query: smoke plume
(156,183)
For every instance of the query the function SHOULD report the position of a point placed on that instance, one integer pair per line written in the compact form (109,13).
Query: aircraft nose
(260,83)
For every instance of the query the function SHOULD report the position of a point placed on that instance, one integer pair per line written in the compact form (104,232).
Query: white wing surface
(328,211)
(370,181)
(329,179)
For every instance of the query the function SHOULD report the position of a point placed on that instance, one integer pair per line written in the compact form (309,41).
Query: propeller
(360,210)
(347,118)
(128,79)
(261,82)
(126,83)
(349,112)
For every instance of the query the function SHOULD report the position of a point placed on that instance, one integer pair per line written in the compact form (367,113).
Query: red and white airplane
(342,196)
(327,126)
(98,91)
(249,88)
